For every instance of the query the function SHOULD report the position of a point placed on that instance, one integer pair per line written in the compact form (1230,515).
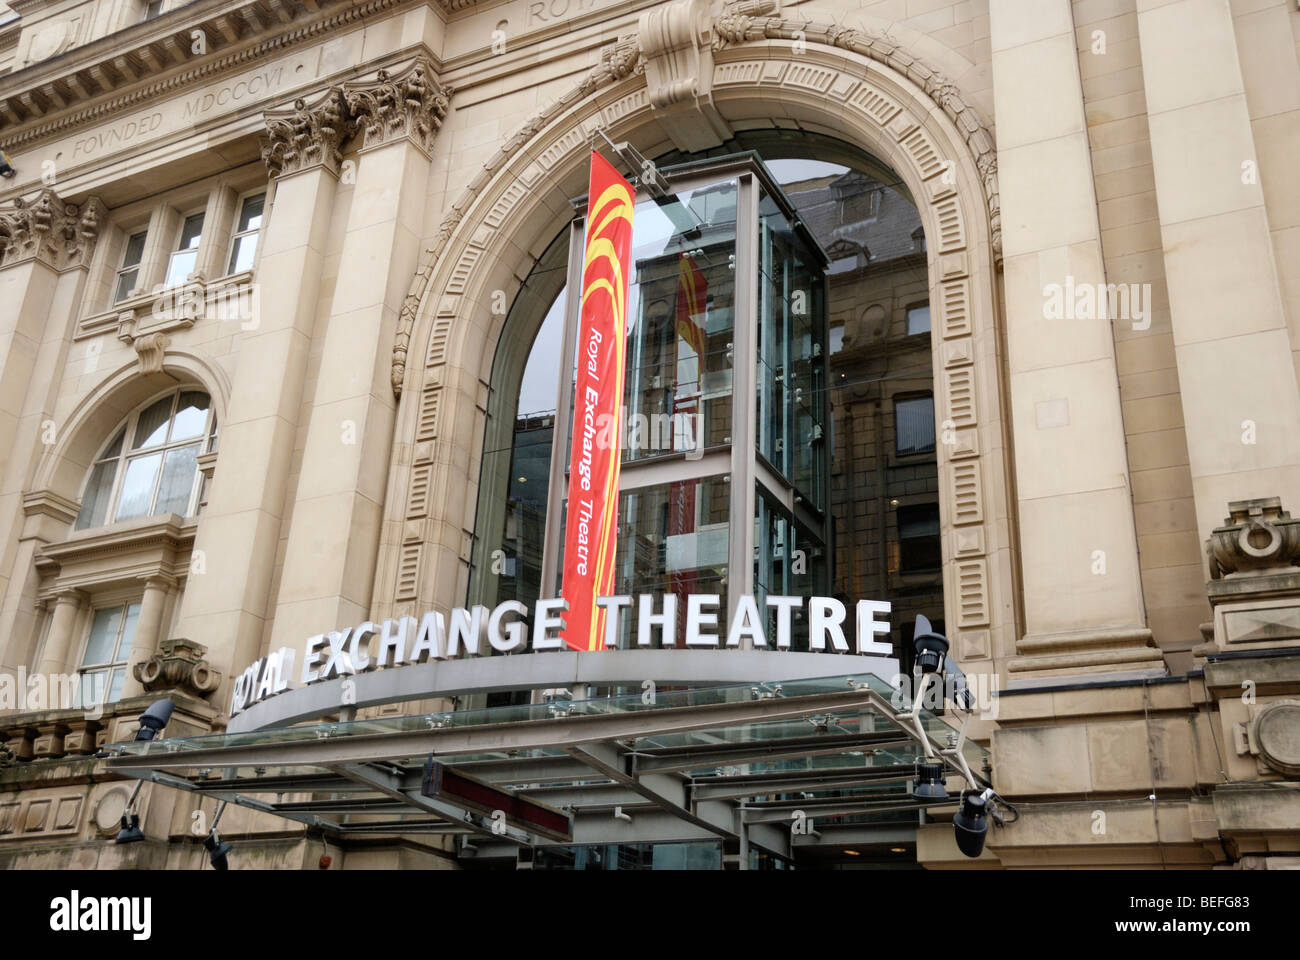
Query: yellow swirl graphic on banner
(613,208)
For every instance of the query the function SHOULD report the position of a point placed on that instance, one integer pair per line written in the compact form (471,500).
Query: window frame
(206,439)
(236,234)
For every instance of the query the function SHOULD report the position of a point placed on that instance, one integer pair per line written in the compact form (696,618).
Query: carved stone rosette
(60,234)
(410,103)
(1257,536)
(308,135)
(178,665)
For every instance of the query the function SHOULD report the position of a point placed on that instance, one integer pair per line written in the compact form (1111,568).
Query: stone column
(1236,365)
(227,592)
(58,642)
(45,250)
(1078,548)
(337,518)
(148,629)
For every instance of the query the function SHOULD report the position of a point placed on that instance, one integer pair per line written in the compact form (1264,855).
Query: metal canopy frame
(741,763)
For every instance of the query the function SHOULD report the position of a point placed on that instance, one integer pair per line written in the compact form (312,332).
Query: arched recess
(63,468)
(844,83)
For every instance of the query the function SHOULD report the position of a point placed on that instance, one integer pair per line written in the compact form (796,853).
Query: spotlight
(153,720)
(130,831)
(931,647)
(217,850)
(6,165)
(929,781)
(971,822)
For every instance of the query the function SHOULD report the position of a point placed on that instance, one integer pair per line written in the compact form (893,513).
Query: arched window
(150,466)
(861,517)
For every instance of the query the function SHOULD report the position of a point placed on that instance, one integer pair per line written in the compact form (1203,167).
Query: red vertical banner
(590,533)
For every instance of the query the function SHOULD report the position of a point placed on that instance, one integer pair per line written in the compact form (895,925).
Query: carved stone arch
(849,84)
(63,467)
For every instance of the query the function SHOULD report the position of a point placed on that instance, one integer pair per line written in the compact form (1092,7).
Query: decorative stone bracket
(60,234)
(677,49)
(179,664)
(1257,536)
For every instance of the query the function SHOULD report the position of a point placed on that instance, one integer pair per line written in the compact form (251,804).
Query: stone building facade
(260,259)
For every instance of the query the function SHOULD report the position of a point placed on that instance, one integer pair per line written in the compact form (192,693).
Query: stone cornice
(62,235)
(161,47)
(122,544)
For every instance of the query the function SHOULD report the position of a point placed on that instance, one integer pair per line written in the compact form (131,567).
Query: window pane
(177,481)
(914,425)
(115,685)
(134,250)
(137,487)
(180,266)
(125,284)
(93,686)
(679,335)
(250,216)
(103,636)
(191,414)
(114,449)
(918,320)
(94,503)
(241,256)
(674,539)
(151,428)
(190,232)
(128,632)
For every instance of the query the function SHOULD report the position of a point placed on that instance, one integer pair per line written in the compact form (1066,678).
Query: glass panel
(125,284)
(679,338)
(914,425)
(250,214)
(791,383)
(94,503)
(94,684)
(115,685)
(673,539)
(242,253)
(788,561)
(191,415)
(100,646)
(128,631)
(177,481)
(151,427)
(137,487)
(918,320)
(134,250)
(115,448)
(191,231)
(180,266)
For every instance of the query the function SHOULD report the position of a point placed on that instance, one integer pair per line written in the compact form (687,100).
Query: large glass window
(150,466)
(835,490)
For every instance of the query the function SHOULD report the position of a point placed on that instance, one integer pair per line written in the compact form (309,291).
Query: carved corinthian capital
(60,234)
(307,135)
(408,103)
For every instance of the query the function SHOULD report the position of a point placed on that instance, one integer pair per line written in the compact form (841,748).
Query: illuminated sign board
(505,628)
